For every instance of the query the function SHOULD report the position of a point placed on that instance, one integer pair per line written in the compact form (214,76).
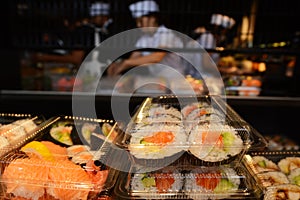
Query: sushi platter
(188,149)
(277,173)
(206,129)
(17,129)
(172,148)
(60,162)
(184,180)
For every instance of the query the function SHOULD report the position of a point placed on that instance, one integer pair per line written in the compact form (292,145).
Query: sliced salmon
(212,138)
(163,181)
(208,181)
(161,138)
(24,177)
(70,181)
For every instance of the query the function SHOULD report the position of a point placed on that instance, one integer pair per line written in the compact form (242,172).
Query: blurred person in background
(84,35)
(154,35)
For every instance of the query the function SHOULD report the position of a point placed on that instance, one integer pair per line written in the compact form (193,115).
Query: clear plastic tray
(17,129)
(73,169)
(273,168)
(182,180)
(161,128)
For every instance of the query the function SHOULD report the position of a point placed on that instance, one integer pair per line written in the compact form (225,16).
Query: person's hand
(115,68)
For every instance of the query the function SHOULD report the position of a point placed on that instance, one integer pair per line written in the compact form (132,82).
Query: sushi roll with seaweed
(215,142)
(165,181)
(157,141)
(209,181)
(160,113)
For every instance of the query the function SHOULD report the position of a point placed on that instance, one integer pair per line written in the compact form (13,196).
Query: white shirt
(164,38)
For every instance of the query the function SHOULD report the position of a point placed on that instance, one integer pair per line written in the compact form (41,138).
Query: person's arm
(136,59)
(75,57)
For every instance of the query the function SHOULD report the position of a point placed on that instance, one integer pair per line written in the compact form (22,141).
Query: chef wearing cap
(155,35)
(100,21)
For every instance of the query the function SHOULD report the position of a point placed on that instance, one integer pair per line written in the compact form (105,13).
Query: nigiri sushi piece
(69,181)
(75,149)
(24,177)
(57,151)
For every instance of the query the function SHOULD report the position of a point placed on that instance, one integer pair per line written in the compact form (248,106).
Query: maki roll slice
(157,141)
(272,178)
(287,164)
(294,176)
(164,181)
(283,192)
(211,181)
(262,164)
(215,142)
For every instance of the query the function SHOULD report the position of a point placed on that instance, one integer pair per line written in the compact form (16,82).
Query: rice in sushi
(157,141)
(164,181)
(262,164)
(205,182)
(294,176)
(214,142)
(282,192)
(272,178)
(287,164)
(160,114)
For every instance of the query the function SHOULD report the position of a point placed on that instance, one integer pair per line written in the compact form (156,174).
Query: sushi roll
(262,164)
(164,181)
(210,181)
(282,192)
(28,124)
(159,113)
(294,176)
(3,143)
(87,129)
(62,134)
(272,178)
(214,142)
(157,141)
(287,164)
(13,133)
